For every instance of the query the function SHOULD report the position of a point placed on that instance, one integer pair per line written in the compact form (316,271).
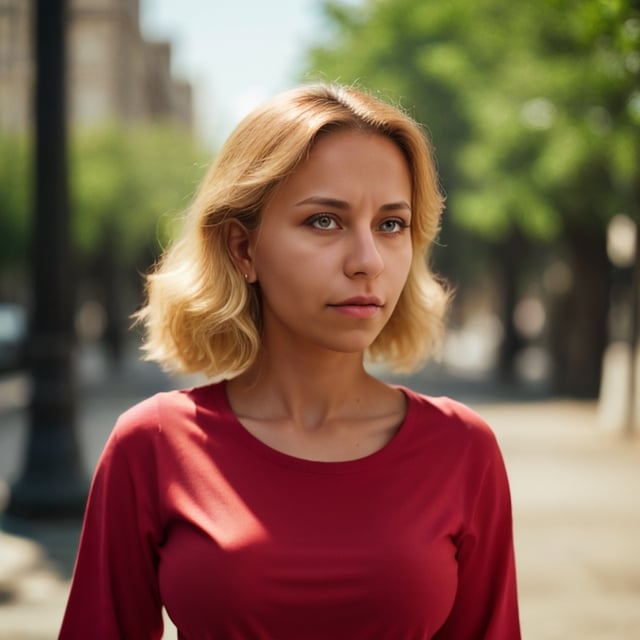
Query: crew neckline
(317,466)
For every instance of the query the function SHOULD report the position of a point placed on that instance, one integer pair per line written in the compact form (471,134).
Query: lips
(359,301)
(358,307)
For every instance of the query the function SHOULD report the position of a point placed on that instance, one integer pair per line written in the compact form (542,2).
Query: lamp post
(634,338)
(52,482)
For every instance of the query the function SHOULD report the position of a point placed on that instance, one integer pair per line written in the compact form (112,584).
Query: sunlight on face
(333,250)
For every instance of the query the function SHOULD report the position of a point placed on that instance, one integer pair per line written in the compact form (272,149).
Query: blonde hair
(200,314)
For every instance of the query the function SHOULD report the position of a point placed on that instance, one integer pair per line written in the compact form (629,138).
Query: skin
(331,256)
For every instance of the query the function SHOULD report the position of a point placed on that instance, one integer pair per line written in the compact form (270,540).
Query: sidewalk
(576,497)
(575,488)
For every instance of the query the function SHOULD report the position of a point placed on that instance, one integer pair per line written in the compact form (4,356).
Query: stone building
(113,74)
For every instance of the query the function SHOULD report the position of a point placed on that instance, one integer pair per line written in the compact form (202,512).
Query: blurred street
(575,487)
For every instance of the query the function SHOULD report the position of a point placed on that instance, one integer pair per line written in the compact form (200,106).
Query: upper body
(303,498)
(241,541)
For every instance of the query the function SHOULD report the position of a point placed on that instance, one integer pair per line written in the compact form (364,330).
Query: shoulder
(460,445)
(450,420)
(165,412)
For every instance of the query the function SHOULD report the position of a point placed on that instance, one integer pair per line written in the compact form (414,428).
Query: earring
(246,276)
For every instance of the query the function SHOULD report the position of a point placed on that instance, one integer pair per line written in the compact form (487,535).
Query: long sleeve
(243,541)
(114,592)
(486,600)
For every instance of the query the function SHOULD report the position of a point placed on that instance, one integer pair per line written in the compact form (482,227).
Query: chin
(352,346)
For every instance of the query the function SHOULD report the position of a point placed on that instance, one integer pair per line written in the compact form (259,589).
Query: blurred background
(110,112)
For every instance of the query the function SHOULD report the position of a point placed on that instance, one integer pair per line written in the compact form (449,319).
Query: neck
(306,388)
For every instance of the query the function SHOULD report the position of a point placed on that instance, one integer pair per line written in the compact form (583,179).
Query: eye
(393,225)
(323,221)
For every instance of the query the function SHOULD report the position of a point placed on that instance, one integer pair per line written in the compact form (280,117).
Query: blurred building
(114,74)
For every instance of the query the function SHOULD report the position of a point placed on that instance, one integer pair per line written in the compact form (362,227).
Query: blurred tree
(557,154)
(127,187)
(131,178)
(533,110)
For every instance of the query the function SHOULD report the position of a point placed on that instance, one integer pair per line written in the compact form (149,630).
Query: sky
(236,53)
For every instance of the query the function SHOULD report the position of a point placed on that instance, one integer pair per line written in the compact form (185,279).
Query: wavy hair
(201,316)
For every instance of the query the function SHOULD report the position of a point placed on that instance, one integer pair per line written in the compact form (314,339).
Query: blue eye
(393,225)
(323,221)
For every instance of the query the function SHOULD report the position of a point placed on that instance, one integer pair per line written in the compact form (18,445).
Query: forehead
(352,162)
(341,146)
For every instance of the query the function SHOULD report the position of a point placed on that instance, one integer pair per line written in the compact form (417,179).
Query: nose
(363,257)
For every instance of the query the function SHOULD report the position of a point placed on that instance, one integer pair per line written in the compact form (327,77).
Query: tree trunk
(511,255)
(579,330)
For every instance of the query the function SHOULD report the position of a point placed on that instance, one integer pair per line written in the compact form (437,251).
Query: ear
(239,247)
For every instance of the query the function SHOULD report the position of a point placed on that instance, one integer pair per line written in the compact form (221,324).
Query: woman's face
(333,249)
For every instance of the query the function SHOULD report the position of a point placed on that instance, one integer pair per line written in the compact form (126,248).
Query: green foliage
(132,180)
(129,181)
(534,108)
(404,51)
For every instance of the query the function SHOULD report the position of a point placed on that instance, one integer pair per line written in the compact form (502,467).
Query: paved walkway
(575,486)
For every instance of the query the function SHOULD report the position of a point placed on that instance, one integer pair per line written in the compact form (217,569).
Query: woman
(299,497)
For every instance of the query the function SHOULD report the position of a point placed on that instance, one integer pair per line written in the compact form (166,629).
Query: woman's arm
(114,591)
(486,603)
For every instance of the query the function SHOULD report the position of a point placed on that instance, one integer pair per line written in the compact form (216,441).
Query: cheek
(404,270)
(291,257)
(273,256)
(402,283)
(284,273)
(283,266)
(404,263)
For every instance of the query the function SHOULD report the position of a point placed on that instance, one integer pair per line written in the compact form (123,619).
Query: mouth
(359,301)
(358,307)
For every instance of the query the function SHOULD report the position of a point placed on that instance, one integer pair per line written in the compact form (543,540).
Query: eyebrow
(342,204)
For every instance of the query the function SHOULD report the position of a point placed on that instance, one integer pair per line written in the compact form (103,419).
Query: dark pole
(52,483)
(634,338)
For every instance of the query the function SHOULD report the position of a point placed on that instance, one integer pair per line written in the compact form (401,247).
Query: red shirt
(238,541)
